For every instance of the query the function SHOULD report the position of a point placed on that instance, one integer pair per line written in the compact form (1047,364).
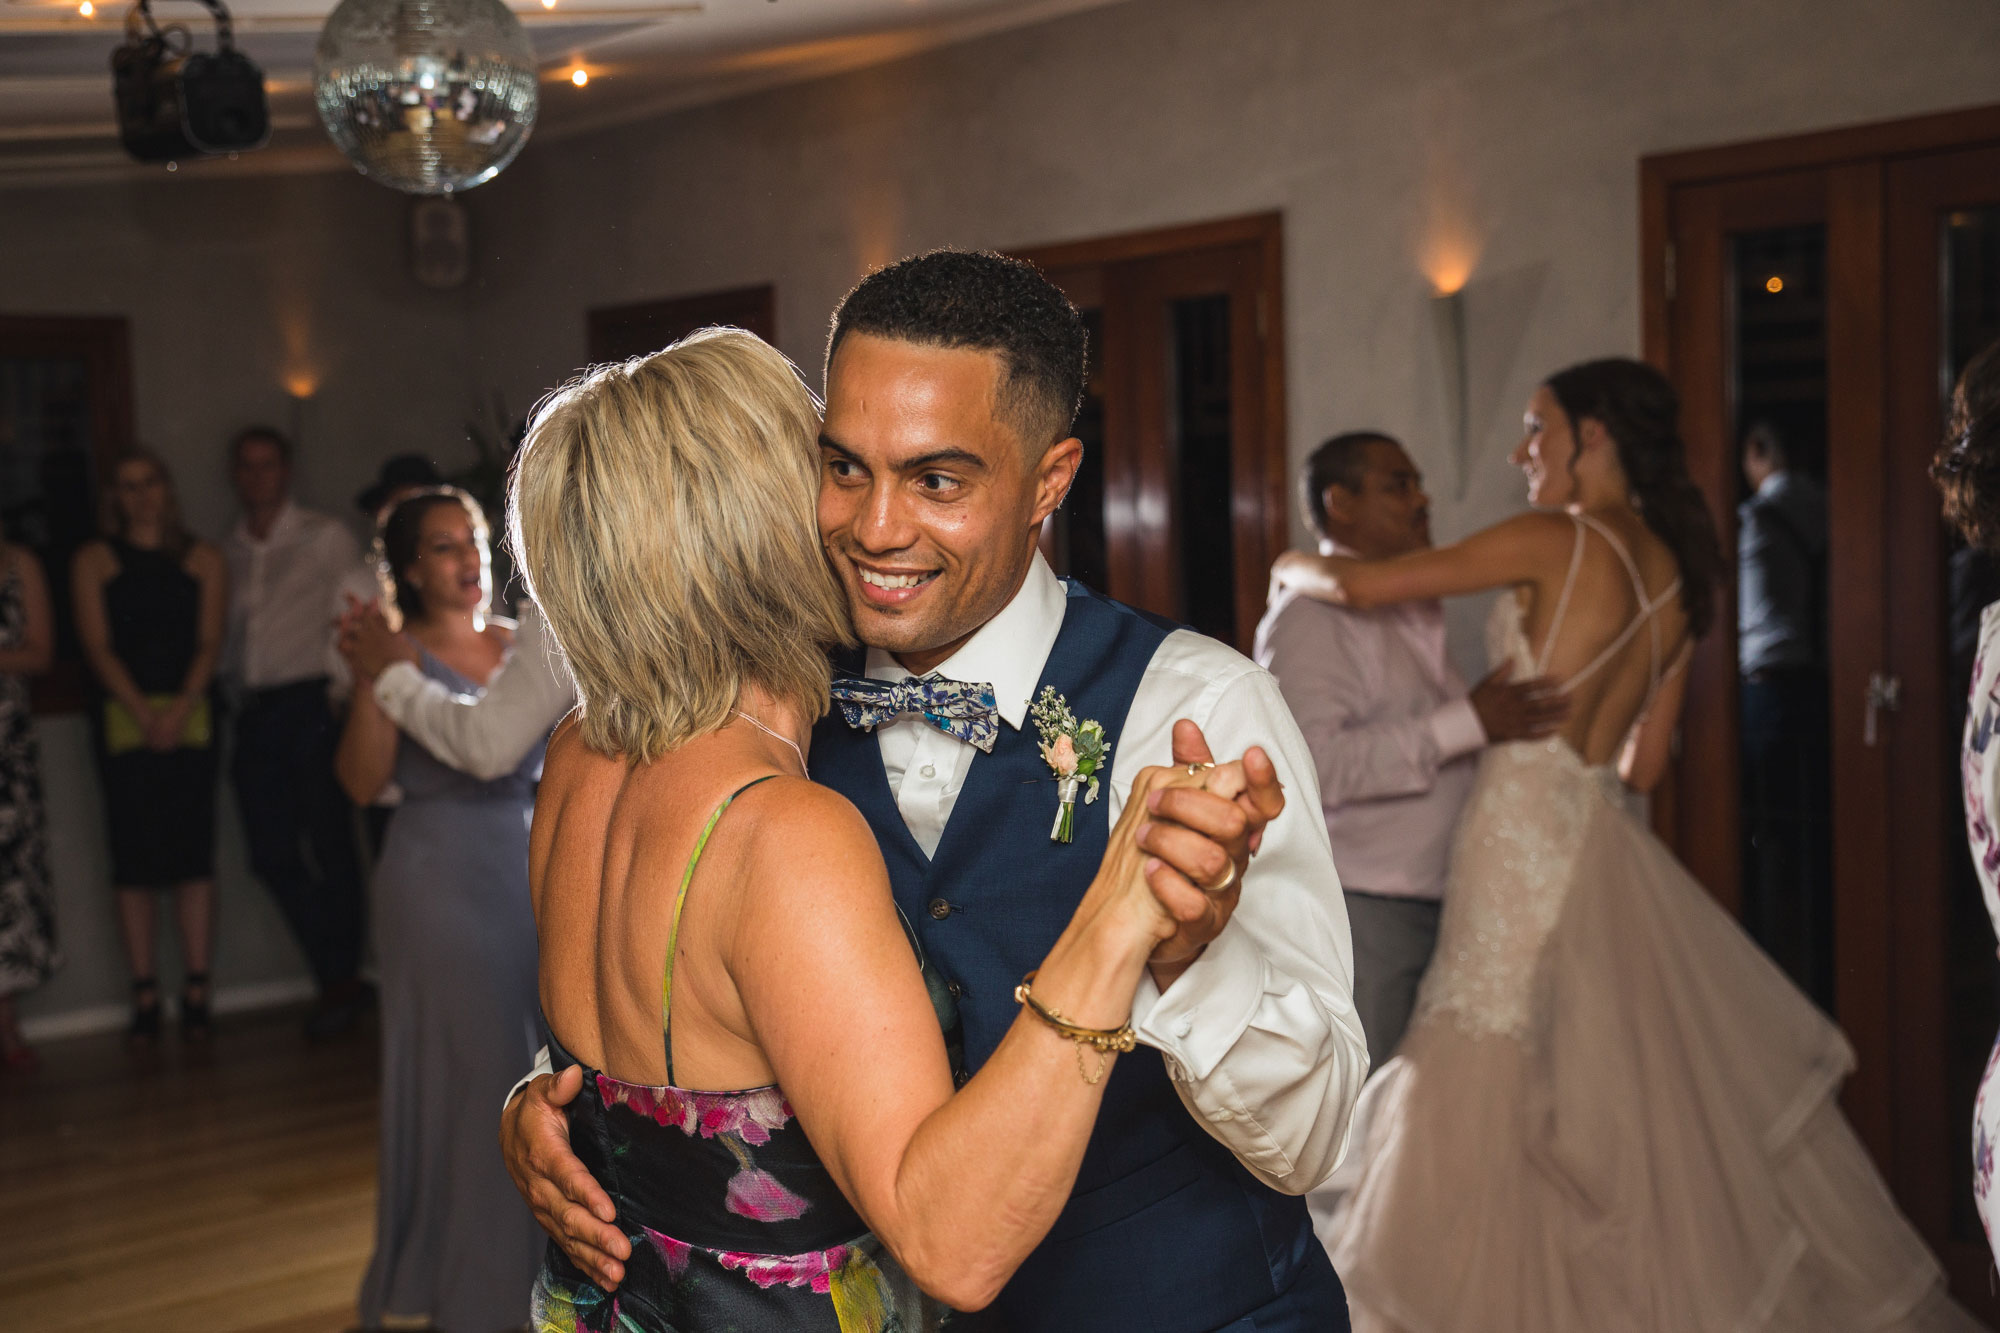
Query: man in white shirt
(945,374)
(1392,729)
(284,564)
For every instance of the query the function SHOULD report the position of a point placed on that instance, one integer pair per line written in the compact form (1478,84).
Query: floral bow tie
(954,707)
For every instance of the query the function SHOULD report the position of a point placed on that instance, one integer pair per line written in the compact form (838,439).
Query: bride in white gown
(1611,1112)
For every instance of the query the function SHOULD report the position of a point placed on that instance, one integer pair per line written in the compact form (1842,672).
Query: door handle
(1885,693)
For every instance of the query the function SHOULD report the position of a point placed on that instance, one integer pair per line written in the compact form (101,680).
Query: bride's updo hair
(1641,413)
(1967,466)
(663,516)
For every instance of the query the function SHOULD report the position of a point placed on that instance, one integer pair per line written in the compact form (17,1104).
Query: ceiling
(642,57)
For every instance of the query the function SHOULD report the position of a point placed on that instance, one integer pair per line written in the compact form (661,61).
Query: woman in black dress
(150,600)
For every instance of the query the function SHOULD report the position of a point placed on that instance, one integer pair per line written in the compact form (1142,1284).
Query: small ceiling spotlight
(579,76)
(1774,284)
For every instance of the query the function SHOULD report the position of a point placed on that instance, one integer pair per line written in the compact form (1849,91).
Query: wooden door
(1179,507)
(1904,223)
(1942,269)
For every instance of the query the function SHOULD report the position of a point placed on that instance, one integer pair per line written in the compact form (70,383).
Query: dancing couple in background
(1611,1110)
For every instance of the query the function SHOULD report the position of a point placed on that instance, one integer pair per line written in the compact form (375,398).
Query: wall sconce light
(1448,329)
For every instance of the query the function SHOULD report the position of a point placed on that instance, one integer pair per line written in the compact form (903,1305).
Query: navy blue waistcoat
(1165,1231)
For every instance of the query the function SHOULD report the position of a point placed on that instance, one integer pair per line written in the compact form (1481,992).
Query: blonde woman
(150,600)
(765,1094)
(455,946)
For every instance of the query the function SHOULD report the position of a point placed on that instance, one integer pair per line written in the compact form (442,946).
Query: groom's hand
(1198,868)
(569,1204)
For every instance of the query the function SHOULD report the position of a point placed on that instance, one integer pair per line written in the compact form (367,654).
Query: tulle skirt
(1660,1149)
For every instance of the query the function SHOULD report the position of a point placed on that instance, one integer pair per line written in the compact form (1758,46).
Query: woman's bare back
(610,848)
(1575,640)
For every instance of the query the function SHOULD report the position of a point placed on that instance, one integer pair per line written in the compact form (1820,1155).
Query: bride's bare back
(1576,641)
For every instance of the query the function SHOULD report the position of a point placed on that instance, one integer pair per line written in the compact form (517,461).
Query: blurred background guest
(286,564)
(1781,633)
(400,475)
(1967,468)
(455,943)
(150,601)
(27,916)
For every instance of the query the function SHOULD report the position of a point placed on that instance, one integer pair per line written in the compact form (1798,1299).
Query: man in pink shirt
(1392,729)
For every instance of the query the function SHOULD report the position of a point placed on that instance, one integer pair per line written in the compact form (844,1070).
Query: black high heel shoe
(145,1026)
(194,1012)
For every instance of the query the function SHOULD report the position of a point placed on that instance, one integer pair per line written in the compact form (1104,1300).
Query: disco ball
(427,96)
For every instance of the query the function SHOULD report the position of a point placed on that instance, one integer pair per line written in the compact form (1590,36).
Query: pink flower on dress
(757,1195)
(674,1252)
(751,1116)
(815,1269)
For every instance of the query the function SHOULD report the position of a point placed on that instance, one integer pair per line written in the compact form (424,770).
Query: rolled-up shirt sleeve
(486,736)
(1260,1034)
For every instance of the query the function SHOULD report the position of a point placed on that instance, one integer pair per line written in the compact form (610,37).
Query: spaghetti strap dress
(1612,1113)
(734,1221)
(28,954)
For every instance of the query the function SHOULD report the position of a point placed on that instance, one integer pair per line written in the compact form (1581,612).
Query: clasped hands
(365,641)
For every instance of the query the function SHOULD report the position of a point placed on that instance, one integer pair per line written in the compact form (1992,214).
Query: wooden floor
(227,1191)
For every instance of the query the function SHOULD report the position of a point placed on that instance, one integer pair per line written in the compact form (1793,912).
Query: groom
(952,380)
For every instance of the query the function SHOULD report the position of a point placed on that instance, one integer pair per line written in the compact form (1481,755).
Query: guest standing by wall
(27,913)
(150,601)
(1967,468)
(285,564)
(455,942)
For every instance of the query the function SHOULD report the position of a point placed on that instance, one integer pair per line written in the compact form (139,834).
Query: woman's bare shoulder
(807,834)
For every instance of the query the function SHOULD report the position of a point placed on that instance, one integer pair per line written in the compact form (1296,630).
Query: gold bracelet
(1103,1040)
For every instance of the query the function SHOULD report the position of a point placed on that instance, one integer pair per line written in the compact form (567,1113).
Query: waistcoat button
(940,909)
(959,1078)
(953,989)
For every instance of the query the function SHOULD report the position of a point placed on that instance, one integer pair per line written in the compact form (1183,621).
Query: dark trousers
(299,824)
(1787,869)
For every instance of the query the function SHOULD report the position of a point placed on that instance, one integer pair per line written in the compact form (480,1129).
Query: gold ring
(1196,768)
(1227,880)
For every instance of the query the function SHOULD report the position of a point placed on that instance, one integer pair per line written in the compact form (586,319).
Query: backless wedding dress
(1612,1112)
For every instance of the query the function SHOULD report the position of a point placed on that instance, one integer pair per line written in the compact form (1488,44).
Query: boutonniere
(1075,750)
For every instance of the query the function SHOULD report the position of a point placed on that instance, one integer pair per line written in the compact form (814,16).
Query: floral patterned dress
(27,919)
(1981,760)
(735,1223)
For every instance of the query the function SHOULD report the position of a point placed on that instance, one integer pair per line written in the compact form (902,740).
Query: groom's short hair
(984,302)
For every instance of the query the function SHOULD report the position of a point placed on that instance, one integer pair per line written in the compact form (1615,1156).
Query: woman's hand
(163,729)
(1145,885)
(1314,576)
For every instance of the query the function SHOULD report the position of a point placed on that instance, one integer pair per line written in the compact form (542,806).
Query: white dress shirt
(1260,1033)
(280,591)
(488,734)
(1392,734)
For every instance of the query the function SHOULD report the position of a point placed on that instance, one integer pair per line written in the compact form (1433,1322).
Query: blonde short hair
(664,516)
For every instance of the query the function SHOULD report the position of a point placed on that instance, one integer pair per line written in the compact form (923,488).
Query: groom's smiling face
(929,500)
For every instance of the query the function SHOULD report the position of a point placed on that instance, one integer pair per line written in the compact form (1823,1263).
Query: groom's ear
(1054,475)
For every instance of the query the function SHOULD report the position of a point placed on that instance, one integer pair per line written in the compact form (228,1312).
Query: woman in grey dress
(455,943)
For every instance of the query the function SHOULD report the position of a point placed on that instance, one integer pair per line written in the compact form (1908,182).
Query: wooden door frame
(104,345)
(1876,1001)
(1266,476)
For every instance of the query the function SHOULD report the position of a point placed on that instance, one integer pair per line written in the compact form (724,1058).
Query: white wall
(1395,139)
(233,289)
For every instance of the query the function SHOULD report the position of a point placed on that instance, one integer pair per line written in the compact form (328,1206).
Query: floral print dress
(27,916)
(735,1223)
(1981,761)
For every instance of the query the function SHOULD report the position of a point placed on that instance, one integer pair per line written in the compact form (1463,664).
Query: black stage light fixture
(174,101)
